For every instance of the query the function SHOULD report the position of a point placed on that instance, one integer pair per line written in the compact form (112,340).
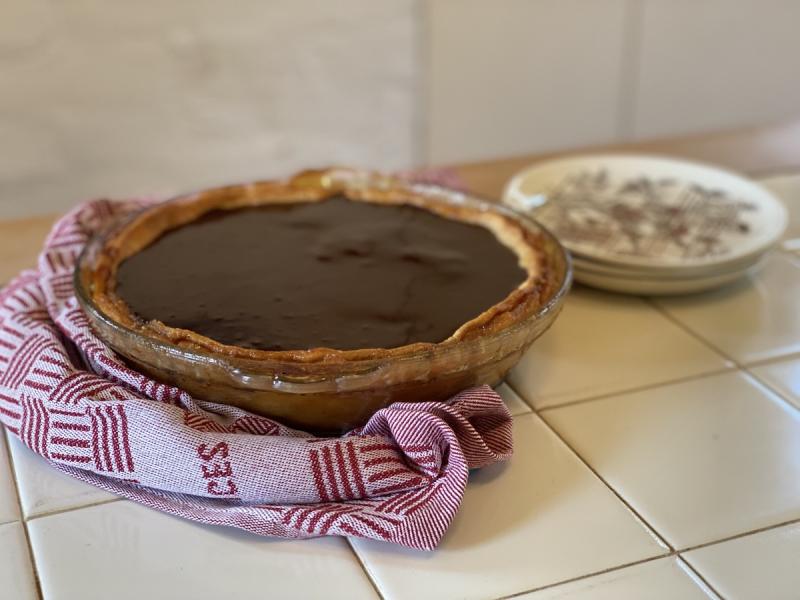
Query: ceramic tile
(16,573)
(43,489)
(605,343)
(762,565)
(9,509)
(703,66)
(514,403)
(665,578)
(782,376)
(752,320)
(540,519)
(494,88)
(136,552)
(700,460)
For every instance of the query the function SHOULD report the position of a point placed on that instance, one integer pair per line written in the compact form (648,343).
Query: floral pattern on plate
(650,212)
(645,217)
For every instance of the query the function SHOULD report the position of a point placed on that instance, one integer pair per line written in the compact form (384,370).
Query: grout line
(771,360)
(630,65)
(641,388)
(675,554)
(771,388)
(741,535)
(741,367)
(12,467)
(367,572)
(711,346)
(507,382)
(59,511)
(35,567)
(586,576)
(25,518)
(692,572)
(652,530)
(668,315)
(31,555)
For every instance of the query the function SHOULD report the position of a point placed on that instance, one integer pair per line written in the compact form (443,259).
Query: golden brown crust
(151,223)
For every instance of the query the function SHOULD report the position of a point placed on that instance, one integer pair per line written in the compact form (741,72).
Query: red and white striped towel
(67,396)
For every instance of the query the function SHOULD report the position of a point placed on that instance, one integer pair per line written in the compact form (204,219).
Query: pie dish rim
(537,294)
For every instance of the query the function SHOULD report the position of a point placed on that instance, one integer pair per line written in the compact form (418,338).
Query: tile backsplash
(106,99)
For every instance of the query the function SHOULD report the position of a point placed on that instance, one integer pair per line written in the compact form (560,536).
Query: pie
(290,271)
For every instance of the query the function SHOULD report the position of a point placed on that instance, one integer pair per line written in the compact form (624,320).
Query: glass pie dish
(320,392)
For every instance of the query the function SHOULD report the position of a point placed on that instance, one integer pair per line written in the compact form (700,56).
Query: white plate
(580,264)
(649,212)
(643,286)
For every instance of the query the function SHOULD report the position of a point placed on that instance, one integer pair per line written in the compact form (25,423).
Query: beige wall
(110,97)
(512,76)
(105,97)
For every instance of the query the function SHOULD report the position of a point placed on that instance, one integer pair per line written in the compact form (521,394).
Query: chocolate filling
(338,274)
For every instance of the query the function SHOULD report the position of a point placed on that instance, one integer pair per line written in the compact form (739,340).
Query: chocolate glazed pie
(320,299)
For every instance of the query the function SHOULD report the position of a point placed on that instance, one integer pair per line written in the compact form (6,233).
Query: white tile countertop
(657,456)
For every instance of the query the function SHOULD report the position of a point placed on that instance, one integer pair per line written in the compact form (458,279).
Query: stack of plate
(647,225)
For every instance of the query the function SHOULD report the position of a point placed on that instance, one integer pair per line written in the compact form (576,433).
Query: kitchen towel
(68,397)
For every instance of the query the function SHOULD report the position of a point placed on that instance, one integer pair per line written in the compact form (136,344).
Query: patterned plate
(649,212)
